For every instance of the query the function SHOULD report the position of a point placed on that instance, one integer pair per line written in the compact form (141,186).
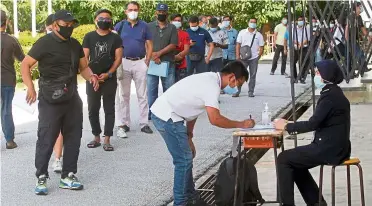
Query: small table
(258,138)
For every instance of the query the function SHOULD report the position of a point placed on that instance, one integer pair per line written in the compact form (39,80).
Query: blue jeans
(176,139)
(153,85)
(7,124)
(318,55)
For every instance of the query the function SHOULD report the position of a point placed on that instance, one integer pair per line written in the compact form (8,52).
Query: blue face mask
(213,29)
(194,28)
(300,23)
(231,90)
(177,24)
(252,25)
(318,82)
(225,24)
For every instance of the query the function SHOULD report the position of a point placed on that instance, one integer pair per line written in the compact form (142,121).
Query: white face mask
(133,15)
(177,24)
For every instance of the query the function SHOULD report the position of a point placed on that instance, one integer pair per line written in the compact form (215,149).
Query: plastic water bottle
(266,115)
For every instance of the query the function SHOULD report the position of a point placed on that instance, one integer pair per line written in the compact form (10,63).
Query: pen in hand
(250,116)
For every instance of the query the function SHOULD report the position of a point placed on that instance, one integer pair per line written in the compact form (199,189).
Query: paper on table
(259,127)
(234,153)
(19,101)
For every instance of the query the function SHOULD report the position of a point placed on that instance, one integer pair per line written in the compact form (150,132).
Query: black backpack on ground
(224,187)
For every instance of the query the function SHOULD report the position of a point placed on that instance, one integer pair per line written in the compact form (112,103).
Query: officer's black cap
(330,71)
(49,20)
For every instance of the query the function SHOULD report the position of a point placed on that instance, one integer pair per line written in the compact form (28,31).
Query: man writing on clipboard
(184,102)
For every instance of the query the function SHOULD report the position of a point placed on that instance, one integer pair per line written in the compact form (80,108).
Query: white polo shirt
(245,38)
(220,37)
(187,99)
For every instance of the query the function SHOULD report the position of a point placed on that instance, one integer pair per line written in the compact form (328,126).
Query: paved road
(139,171)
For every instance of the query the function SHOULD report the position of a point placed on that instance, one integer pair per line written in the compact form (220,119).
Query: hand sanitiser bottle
(266,115)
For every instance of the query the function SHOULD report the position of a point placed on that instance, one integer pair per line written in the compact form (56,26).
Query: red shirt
(183,39)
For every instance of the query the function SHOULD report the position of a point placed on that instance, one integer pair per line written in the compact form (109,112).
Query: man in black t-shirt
(10,50)
(59,58)
(104,51)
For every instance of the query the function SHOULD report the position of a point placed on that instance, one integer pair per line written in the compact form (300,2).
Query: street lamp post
(50,10)
(15,19)
(33,17)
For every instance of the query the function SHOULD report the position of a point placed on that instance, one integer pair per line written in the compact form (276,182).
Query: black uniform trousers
(297,56)
(107,92)
(294,165)
(279,50)
(67,118)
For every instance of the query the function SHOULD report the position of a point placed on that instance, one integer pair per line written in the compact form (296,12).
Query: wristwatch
(109,75)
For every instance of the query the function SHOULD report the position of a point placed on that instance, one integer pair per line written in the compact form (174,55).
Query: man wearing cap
(10,49)
(60,58)
(165,38)
(137,43)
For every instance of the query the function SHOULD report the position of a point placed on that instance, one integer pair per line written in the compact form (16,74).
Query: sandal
(93,144)
(108,147)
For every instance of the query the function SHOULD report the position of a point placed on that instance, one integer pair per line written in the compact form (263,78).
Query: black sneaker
(146,129)
(126,128)
(271,73)
(250,95)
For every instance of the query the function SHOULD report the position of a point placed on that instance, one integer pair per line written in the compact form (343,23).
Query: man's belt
(134,58)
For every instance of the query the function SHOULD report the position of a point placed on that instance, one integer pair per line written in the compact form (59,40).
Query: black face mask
(65,31)
(162,17)
(104,25)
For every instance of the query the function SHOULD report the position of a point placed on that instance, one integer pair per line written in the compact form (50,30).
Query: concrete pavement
(140,170)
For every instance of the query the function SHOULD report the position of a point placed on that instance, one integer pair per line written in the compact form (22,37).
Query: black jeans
(294,165)
(297,55)
(279,49)
(181,73)
(107,92)
(66,117)
(215,65)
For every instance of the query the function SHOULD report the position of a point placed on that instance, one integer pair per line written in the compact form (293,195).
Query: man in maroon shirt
(183,47)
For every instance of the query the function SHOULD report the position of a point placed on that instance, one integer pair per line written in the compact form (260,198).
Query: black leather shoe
(146,129)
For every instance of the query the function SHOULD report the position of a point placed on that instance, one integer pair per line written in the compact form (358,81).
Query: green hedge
(26,40)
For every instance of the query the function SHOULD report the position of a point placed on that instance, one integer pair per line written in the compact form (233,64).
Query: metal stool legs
(333,184)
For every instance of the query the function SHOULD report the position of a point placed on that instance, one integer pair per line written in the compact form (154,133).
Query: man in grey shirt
(10,49)
(165,40)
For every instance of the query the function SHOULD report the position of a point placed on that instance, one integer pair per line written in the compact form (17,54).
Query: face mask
(231,90)
(104,25)
(194,28)
(284,21)
(361,9)
(213,29)
(370,33)
(225,24)
(318,82)
(65,31)
(133,15)
(331,25)
(204,26)
(177,24)
(252,25)
(162,17)
(300,23)
(49,31)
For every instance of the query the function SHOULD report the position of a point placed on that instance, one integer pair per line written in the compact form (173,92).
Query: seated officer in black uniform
(331,145)
(60,107)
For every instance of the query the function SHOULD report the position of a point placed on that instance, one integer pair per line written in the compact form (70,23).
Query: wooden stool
(347,163)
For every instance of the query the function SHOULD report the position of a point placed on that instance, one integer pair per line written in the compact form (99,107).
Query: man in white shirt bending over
(184,102)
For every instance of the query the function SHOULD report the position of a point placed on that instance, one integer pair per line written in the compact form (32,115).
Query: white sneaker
(121,133)
(57,166)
